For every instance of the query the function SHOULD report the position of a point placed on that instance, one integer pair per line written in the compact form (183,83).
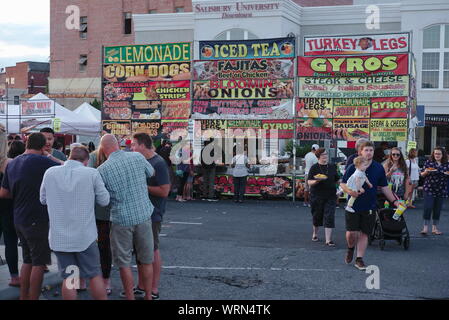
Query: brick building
(75,55)
(25,78)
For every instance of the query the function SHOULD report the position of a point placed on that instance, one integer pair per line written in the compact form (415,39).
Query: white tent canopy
(71,122)
(88,111)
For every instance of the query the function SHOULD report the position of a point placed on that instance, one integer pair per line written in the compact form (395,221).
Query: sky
(24,31)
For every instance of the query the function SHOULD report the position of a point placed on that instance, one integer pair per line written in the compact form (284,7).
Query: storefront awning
(437,120)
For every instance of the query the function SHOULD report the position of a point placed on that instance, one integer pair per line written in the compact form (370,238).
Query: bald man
(125,176)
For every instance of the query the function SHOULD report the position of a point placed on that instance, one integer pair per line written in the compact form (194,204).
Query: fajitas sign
(357,44)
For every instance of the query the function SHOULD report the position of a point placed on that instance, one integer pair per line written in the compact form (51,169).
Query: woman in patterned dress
(436,174)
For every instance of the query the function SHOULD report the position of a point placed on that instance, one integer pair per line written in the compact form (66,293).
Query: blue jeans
(432,208)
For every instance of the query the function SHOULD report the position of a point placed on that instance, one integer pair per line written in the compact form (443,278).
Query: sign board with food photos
(314,129)
(314,107)
(244,69)
(144,84)
(234,109)
(247,49)
(344,66)
(357,44)
(169,126)
(118,127)
(350,108)
(350,129)
(388,129)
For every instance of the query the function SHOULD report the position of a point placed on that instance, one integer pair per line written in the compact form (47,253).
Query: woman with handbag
(413,172)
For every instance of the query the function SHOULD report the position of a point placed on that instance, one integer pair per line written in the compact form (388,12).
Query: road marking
(249,268)
(179,222)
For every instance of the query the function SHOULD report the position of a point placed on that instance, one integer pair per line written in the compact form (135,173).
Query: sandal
(330,244)
(315,239)
(437,233)
(423,233)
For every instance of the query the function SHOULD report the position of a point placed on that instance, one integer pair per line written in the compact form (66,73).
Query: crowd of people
(368,184)
(98,208)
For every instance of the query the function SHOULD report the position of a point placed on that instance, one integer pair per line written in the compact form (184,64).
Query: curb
(11,293)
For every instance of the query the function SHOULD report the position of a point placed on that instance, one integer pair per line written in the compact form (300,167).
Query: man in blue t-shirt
(22,182)
(360,223)
(158,189)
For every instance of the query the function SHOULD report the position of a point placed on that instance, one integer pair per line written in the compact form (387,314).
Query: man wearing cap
(310,159)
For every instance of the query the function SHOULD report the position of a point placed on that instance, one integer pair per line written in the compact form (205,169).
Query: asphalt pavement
(263,250)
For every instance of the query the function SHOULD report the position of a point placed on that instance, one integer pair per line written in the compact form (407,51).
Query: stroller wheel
(406,243)
(382,244)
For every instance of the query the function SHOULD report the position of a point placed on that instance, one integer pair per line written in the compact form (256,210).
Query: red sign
(394,64)
(285,128)
(389,107)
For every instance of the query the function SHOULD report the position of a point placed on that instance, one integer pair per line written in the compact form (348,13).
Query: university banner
(243,89)
(357,44)
(313,129)
(176,109)
(3,108)
(242,109)
(388,129)
(119,127)
(150,53)
(394,64)
(314,107)
(352,108)
(36,108)
(247,49)
(243,69)
(389,107)
(354,87)
(151,127)
(351,129)
(147,90)
(285,128)
(146,72)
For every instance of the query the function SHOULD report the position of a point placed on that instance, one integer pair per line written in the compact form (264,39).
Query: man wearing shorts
(125,176)
(310,159)
(158,189)
(22,182)
(70,193)
(360,223)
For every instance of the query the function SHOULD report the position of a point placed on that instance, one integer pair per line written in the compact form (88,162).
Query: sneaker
(305,204)
(155,296)
(359,264)
(138,294)
(349,255)
(349,209)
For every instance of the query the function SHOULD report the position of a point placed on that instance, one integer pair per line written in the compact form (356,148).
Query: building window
(83,27)
(127,22)
(82,62)
(236,34)
(435,57)
(13,80)
(179,9)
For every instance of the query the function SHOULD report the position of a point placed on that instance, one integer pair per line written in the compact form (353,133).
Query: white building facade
(428,23)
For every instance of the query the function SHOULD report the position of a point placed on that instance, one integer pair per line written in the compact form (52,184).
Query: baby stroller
(387,228)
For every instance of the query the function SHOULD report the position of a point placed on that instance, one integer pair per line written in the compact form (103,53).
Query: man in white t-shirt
(310,159)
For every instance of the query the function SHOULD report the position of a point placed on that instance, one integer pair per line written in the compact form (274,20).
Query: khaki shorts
(125,239)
